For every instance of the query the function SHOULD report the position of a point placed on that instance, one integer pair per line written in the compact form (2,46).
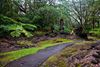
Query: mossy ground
(13,55)
(61,59)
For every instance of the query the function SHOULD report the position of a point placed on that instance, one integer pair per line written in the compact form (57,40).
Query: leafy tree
(47,16)
(6,7)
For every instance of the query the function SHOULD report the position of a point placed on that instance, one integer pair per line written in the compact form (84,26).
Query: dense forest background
(24,17)
(50,33)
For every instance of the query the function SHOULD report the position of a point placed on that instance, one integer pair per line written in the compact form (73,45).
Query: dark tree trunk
(98,24)
(61,25)
(79,32)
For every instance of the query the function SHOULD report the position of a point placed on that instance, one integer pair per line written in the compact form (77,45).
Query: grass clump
(24,43)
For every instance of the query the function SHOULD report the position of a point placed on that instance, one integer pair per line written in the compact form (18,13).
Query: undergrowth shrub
(15,28)
(23,19)
(95,32)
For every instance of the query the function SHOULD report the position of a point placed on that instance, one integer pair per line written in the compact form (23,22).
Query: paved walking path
(37,59)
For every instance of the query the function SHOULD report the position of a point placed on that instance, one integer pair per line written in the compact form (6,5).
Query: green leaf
(29,26)
(15,33)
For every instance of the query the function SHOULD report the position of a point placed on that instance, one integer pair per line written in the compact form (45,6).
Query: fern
(15,29)
(15,33)
(28,34)
(29,26)
(6,20)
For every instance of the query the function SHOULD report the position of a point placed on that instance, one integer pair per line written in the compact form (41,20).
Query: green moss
(95,32)
(13,55)
(55,61)
(93,38)
(78,65)
(39,33)
(84,42)
(24,43)
(53,42)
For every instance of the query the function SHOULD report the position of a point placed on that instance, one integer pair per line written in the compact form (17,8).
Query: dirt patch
(11,44)
(7,44)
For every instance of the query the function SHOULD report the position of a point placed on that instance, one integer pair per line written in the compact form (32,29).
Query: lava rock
(95,61)
(96,55)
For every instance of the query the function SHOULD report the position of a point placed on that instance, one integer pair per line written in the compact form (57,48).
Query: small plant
(24,43)
(39,33)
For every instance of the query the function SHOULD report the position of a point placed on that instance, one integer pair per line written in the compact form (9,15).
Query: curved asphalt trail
(37,59)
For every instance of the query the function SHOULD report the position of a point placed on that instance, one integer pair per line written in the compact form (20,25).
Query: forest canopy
(24,17)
